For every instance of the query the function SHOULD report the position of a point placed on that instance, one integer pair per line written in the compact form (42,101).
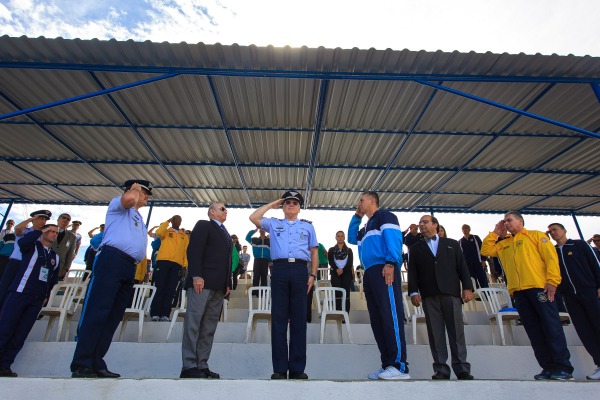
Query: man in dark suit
(208,281)
(65,244)
(436,269)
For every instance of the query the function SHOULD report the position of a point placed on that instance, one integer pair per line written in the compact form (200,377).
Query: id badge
(44,274)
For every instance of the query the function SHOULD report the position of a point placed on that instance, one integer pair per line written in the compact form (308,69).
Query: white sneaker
(375,374)
(164,319)
(595,375)
(155,319)
(392,373)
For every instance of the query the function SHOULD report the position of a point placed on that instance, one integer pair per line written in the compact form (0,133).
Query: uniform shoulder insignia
(305,220)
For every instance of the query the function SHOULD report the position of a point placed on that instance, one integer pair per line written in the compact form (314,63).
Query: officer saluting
(293,245)
(123,247)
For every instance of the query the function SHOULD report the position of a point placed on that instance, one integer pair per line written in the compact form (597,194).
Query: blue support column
(5,216)
(314,151)
(149,213)
(596,89)
(577,225)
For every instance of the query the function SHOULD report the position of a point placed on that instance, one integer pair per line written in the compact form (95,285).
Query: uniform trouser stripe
(396,326)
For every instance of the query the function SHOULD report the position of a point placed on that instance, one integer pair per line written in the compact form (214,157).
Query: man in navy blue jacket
(580,287)
(37,274)
(380,251)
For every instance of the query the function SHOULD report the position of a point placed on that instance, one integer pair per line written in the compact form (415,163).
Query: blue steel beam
(149,214)
(280,165)
(229,141)
(314,151)
(5,216)
(410,131)
(295,74)
(274,129)
(25,199)
(82,97)
(511,109)
(140,136)
(596,89)
(577,225)
(593,203)
(485,146)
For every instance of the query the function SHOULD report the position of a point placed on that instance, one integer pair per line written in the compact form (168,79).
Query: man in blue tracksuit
(261,250)
(36,274)
(380,251)
(580,287)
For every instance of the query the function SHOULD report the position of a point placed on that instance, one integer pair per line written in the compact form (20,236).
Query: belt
(289,260)
(120,252)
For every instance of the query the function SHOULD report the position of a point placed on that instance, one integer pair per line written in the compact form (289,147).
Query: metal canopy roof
(434,131)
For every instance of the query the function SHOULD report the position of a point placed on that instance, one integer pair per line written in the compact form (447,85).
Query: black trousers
(343,281)
(260,272)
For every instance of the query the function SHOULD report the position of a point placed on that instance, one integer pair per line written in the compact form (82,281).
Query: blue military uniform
(36,275)
(109,292)
(291,242)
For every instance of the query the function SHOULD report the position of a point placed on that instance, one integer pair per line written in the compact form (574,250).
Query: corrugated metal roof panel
(399,201)
(31,142)
(206,197)
(455,200)
(39,193)
(94,194)
(262,102)
(343,199)
(189,145)
(566,203)
(12,174)
(411,181)
(272,146)
(274,177)
(543,184)
(505,203)
(183,100)
(349,179)
(374,105)
(519,152)
(587,188)
(448,151)
(103,143)
(584,157)
(479,182)
(206,176)
(121,173)
(358,149)
(64,172)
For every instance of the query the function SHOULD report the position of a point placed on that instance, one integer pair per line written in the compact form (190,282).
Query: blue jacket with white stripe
(379,241)
(30,278)
(579,267)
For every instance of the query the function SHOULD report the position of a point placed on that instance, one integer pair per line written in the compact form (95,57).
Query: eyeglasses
(223,209)
(292,202)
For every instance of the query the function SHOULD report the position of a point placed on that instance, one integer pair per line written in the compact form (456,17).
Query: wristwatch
(313,275)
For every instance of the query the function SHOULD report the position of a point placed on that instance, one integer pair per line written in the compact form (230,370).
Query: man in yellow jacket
(532,274)
(171,258)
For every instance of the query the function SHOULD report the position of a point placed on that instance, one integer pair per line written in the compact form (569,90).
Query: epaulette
(305,220)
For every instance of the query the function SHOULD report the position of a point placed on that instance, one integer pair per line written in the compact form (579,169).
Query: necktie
(227,237)
(434,238)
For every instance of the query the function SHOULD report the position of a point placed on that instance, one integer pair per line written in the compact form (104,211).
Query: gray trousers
(444,313)
(199,326)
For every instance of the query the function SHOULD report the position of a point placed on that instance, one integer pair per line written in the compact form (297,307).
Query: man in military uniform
(293,245)
(123,247)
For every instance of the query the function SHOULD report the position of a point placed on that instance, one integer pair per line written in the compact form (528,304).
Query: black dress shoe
(84,372)
(279,375)
(464,376)
(192,373)
(104,373)
(7,373)
(439,376)
(298,375)
(210,374)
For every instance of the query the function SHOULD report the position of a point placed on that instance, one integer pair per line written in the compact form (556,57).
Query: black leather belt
(120,252)
(289,260)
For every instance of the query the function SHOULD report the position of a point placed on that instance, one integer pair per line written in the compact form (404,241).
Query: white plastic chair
(140,307)
(78,276)
(417,317)
(358,281)
(60,305)
(322,274)
(180,312)
(326,301)
(494,300)
(224,310)
(261,311)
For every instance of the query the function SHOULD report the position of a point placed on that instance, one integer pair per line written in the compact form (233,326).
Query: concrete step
(253,361)
(225,389)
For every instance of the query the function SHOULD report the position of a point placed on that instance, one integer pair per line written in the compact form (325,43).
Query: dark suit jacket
(65,251)
(442,274)
(209,256)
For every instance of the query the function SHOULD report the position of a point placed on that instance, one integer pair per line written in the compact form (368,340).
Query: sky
(512,26)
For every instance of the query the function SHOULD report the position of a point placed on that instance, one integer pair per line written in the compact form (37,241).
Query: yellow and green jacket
(173,244)
(529,259)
